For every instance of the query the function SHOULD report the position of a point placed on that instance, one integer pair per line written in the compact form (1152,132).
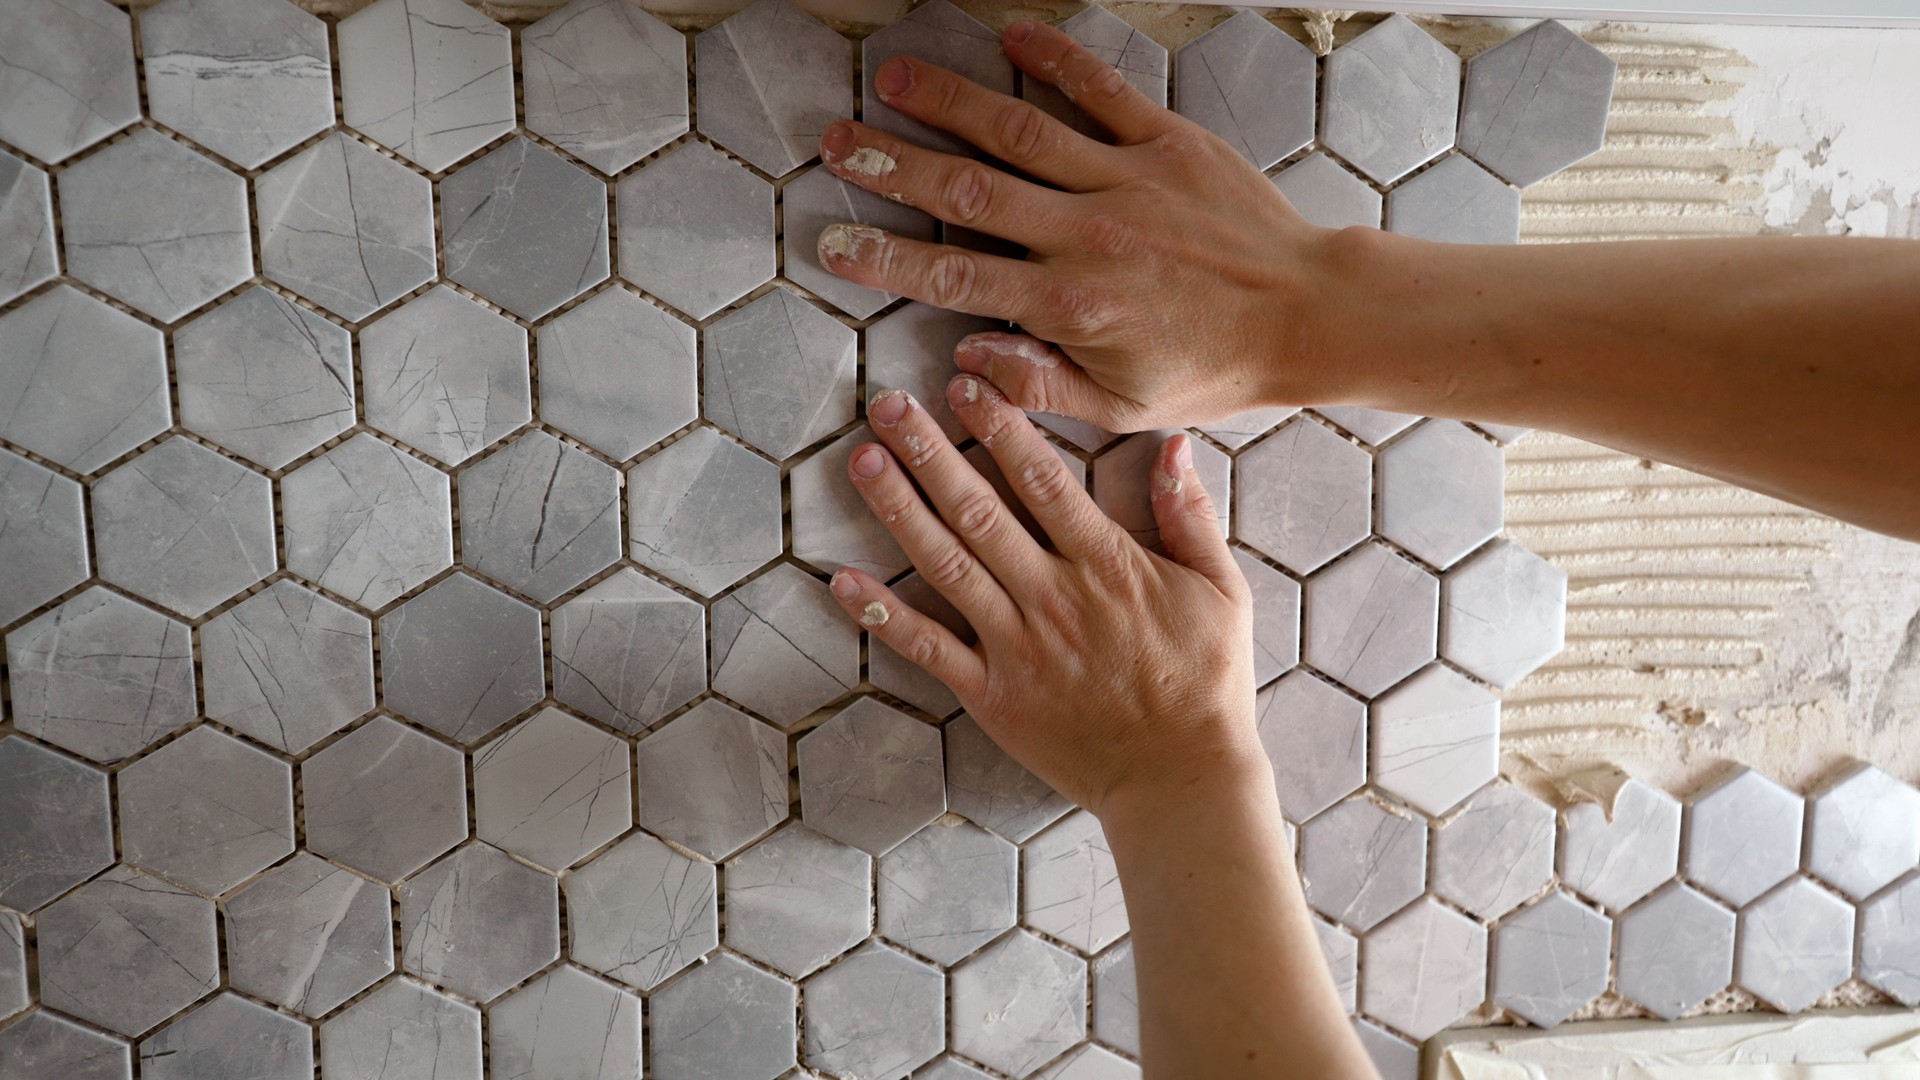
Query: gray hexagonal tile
(26,228)
(1890,941)
(101,676)
(990,788)
(798,899)
(1441,491)
(13,965)
(1237,431)
(1371,618)
(1427,967)
(247,79)
(445,375)
(712,780)
(1090,1062)
(696,230)
(779,373)
(705,511)
(287,666)
(43,536)
(461,658)
(264,377)
(817,198)
(911,349)
(552,790)
(88,383)
(1743,837)
(1863,831)
(875,1013)
(1503,613)
(1121,482)
(1249,83)
(1018,1003)
(367,521)
(1436,740)
(1496,853)
(126,951)
(1116,999)
(1393,1056)
(901,677)
(871,776)
(1455,202)
(947,890)
(206,811)
(1550,960)
(524,228)
(725,1018)
(641,911)
(1361,863)
(938,33)
(308,935)
(782,647)
(431,80)
(183,526)
(1536,103)
(1341,951)
(477,922)
(1316,737)
(539,516)
(1616,859)
(403,1031)
(775,77)
(45,1044)
(56,825)
(1141,60)
(604,81)
(832,526)
(1072,885)
(385,800)
(229,1038)
(1305,496)
(1390,100)
(618,373)
(950,1068)
(75,84)
(1795,945)
(1327,195)
(566,1023)
(628,651)
(1276,617)
(1675,951)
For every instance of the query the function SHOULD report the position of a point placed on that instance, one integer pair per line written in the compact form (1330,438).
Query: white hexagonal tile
(1863,831)
(1496,853)
(1316,737)
(1436,739)
(1796,944)
(1550,960)
(1503,613)
(1441,491)
(1743,836)
(1675,951)
(1361,863)
(1426,967)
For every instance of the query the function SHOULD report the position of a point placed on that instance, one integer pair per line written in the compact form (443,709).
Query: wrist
(1223,781)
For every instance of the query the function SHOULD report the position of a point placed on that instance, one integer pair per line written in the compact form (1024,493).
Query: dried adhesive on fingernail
(867,161)
(874,614)
(850,241)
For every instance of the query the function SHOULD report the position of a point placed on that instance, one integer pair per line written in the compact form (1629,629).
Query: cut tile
(1370,426)
(183,526)
(1116,999)
(552,790)
(1436,740)
(1246,81)
(126,951)
(1390,100)
(1237,431)
(1616,861)
(247,79)
(386,800)
(727,1019)
(1371,619)
(1441,491)
(287,666)
(816,199)
(1426,967)
(461,659)
(1864,831)
(56,824)
(1121,482)
(604,81)
(431,80)
(871,776)
(524,228)
(832,526)
(911,349)
(798,899)
(88,383)
(1503,613)
(567,1023)
(1306,495)
(308,935)
(78,86)
(641,911)
(445,375)
(901,677)
(1316,737)
(1361,863)
(264,377)
(43,536)
(206,811)
(947,890)
(618,373)
(26,227)
(779,373)
(367,521)
(712,780)
(1675,951)
(477,922)
(539,516)
(875,1013)
(782,647)
(1141,60)
(1796,945)
(772,78)
(1550,960)
(229,1038)
(1018,1004)
(1455,202)
(1536,103)
(403,1031)
(696,230)
(1743,837)
(705,512)
(1327,195)
(1496,853)
(1090,1063)
(1342,953)
(940,34)
(101,676)
(46,1044)
(1890,941)
(992,789)
(628,651)
(1393,1056)
(13,965)
(1072,885)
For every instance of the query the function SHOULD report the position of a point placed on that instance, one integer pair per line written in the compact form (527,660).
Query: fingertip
(1018,31)
(844,585)
(868,462)
(972,356)
(1173,473)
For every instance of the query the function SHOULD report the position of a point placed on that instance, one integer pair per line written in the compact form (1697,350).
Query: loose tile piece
(1237,431)
(56,825)
(183,526)
(1141,60)
(1327,195)
(88,383)
(798,899)
(367,521)
(71,81)
(1116,999)
(43,536)
(1455,202)
(1496,854)
(772,78)
(992,789)
(1616,861)
(901,677)
(1073,887)
(911,349)
(264,377)
(403,1031)
(1864,831)
(1427,967)
(1306,495)
(1503,613)
(26,227)
(1675,951)
(566,1023)
(1370,426)
(1249,83)
(712,780)
(704,512)
(461,659)
(1536,103)
(641,911)
(126,951)
(1361,864)
(1316,737)
(1436,740)
(1122,475)
(817,198)
(1890,941)
(696,230)
(1390,100)
(871,776)
(1796,944)
(940,34)
(539,516)
(832,526)
(875,1013)
(524,228)
(1342,953)
(628,651)
(779,373)
(604,81)
(1371,619)
(229,1038)
(782,647)
(287,666)
(947,890)
(1441,491)
(46,1044)
(1090,1063)
(206,811)
(725,1018)
(385,800)
(431,80)
(476,922)
(13,965)
(618,373)
(1393,1056)
(445,375)
(1018,1003)
(101,676)
(1743,837)
(1550,960)
(246,79)
(308,935)
(552,790)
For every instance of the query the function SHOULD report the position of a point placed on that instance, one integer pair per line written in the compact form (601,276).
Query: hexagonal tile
(1141,60)
(1441,491)
(712,780)
(431,80)
(540,516)
(775,78)
(1116,999)
(346,227)
(1390,100)
(725,1018)
(1305,496)
(1370,426)
(875,1013)
(367,521)
(26,228)
(48,1044)
(552,790)
(1675,951)
(938,33)
(78,88)
(1890,941)
(901,677)
(287,666)
(1455,202)
(1327,195)
(1246,81)
(183,526)
(56,825)
(264,377)
(950,1068)
(524,228)
(1073,886)
(782,647)
(618,373)
(206,811)
(911,349)
(1536,103)
(1436,740)
(1316,737)
(445,375)
(1393,1056)
(1120,482)
(308,935)
(798,899)
(641,911)
(605,82)
(1427,967)
(566,1023)
(43,536)
(1550,960)
(705,511)
(1503,613)
(476,922)
(1341,951)
(1237,431)
(126,951)
(1615,860)
(871,776)
(13,965)
(696,230)
(947,890)
(404,1029)
(1864,831)
(779,373)
(817,198)
(88,383)
(385,800)
(992,789)
(247,79)
(461,658)
(101,676)
(1276,617)
(1496,853)
(1372,619)
(226,1039)
(1796,944)
(1361,863)
(1090,1062)
(1743,836)
(1018,1003)
(628,651)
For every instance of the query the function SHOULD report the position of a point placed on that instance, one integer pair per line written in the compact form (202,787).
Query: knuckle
(970,191)
(978,515)
(946,97)
(923,646)
(1105,86)
(1109,560)
(949,568)
(952,278)
(1023,131)
(896,509)
(1077,309)
(1045,481)
(1110,236)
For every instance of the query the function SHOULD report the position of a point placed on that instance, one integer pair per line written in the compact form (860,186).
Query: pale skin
(1168,285)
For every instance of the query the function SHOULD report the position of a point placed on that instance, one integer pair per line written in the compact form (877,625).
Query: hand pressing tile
(1138,58)
(1796,945)
(404,1029)
(640,912)
(1550,960)
(1503,613)
(524,228)
(911,349)
(48,1044)
(1455,202)
(1863,831)
(247,79)
(1315,735)
(477,922)
(1614,861)
(725,1018)
(1019,1003)
(308,935)
(816,199)
(88,383)
(367,521)
(540,516)
(1441,491)
(779,373)
(1391,100)
(705,512)
(26,228)
(1361,863)
(628,651)
(1890,941)
(74,84)
(1436,740)
(1426,968)
(264,377)
(1305,496)
(947,890)
(943,35)
(1122,475)
(772,78)
(1116,999)
(566,1023)
(229,1038)
(1675,951)
(56,824)
(386,800)
(206,811)
(445,375)
(604,81)
(782,647)
(712,780)
(618,373)
(431,80)
(696,230)
(1371,619)
(1743,836)
(1327,195)
(797,899)
(1496,853)
(101,676)
(184,527)
(127,951)
(871,776)
(43,536)
(991,789)
(904,679)
(1536,103)
(461,659)
(552,790)
(1249,83)
(832,526)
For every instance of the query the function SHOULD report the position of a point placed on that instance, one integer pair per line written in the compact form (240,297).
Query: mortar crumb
(1168,483)
(867,161)
(874,614)
(849,241)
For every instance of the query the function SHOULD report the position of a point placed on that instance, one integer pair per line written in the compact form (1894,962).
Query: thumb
(1189,524)
(1038,377)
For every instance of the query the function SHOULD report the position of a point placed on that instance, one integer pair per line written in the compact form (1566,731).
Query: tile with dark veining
(1315,735)
(1138,58)
(206,811)
(246,79)
(524,228)
(782,647)
(1615,858)
(56,825)
(1246,81)
(229,1038)
(308,935)
(264,377)
(725,1018)
(184,526)
(1795,945)
(798,899)
(618,373)
(539,516)
(1072,885)
(1370,426)
(345,227)
(1361,863)
(1276,617)
(947,890)
(1121,484)
(101,676)
(772,77)
(1019,1003)
(126,951)
(1863,830)
(628,651)
(1305,496)
(911,349)
(991,789)
(1242,428)
(1426,967)
(82,382)
(566,1023)
(1890,941)
(871,776)
(71,81)
(403,1031)
(1536,103)
(832,526)
(1371,619)
(385,800)
(696,230)
(712,780)
(46,1044)
(874,1013)
(1496,853)
(367,521)
(1116,999)
(1435,739)
(1503,613)
(13,965)
(704,512)
(26,227)
(1743,836)
(461,658)
(1675,951)
(552,790)
(1550,960)
(287,666)
(1455,202)
(604,81)
(641,911)
(431,80)
(445,375)
(779,373)
(43,536)
(477,922)
(1441,491)
(937,33)
(816,199)
(1389,100)
(901,677)
(1327,195)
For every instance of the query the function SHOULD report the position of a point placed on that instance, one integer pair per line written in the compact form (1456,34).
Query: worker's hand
(1172,276)
(1100,665)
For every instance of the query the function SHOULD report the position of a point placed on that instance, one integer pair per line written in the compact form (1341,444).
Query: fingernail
(848,242)
(1020,31)
(844,586)
(963,391)
(1183,453)
(894,78)
(889,407)
(869,461)
(837,140)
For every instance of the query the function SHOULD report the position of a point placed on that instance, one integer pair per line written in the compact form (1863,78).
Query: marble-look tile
(1370,426)
(1455,202)
(725,1019)
(46,1044)
(1141,60)
(1316,737)
(101,676)
(779,373)
(43,536)
(74,83)
(641,911)
(1249,83)
(991,789)
(1743,837)
(772,77)
(126,951)
(712,780)
(1795,945)
(308,935)
(1426,968)
(947,890)
(1436,740)
(1361,863)
(1072,885)
(618,373)
(206,811)
(832,526)
(56,825)
(782,647)
(1615,859)
(229,1038)
(1675,951)
(26,227)
(367,521)
(901,677)
(1327,195)
(874,1013)
(604,81)
(798,899)
(1496,853)
(524,228)
(696,230)
(1890,941)
(345,227)
(567,1023)
(1121,482)
(539,516)
(445,375)
(911,349)
(287,666)
(1441,491)
(628,651)
(403,1031)
(431,80)
(1536,103)
(1863,831)
(85,383)
(1372,619)
(950,1068)
(1341,951)
(1394,1057)
(1090,1062)
(385,800)
(816,199)
(1503,613)
(13,965)
(871,776)
(1390,100)
(477,922)
(552,790)
(1019,1003)
(1306,495)
(247,79)
(1116,999)
(1550,960)
(264,377)
(461,659)
(704,512)
(1237,431)
(940,34)
(183,526)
